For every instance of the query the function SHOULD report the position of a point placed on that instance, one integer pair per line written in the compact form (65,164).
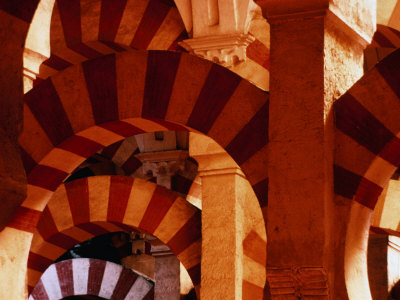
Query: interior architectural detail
(226,50)
(163,165)
(132,204)
(219,32)
(191,149)
(85,276)
(300,283)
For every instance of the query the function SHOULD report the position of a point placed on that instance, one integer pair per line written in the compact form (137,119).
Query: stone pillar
(393,261)
(378,265)
(230,211)
(222,235)
(15,22)
(163,165)
(316,55)
(222,220)
(158,263)
(166,272)
(32,63)
(166,276)
(37,44)
(383,264)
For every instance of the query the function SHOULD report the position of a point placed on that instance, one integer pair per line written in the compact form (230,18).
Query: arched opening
(366,158)
(73,32)
(113,108)
(127,204)
(384,241)
(142,253)
(383,266)
(93,277)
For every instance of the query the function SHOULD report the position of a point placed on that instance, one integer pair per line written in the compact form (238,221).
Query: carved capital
(162,168)
(32,62)
(355,16)
(159,249)
(223,49)
(298,282)
(163,163)
(213,17)
(219,29)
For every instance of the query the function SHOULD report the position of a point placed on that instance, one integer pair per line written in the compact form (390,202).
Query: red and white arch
(96,205)
(87,29)
(156,101)
(58,138)
(87,276)
(367,155)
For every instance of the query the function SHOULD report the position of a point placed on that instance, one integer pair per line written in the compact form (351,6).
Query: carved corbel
(219,29)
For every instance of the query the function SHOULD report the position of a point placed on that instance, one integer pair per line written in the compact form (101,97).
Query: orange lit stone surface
(295,145)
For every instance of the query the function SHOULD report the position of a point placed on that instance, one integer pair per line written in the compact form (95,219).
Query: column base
(298,283)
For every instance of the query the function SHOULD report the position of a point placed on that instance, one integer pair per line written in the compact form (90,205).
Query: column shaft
(315,57)
(222,251)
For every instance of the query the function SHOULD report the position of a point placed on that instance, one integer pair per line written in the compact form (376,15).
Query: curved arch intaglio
(367,154)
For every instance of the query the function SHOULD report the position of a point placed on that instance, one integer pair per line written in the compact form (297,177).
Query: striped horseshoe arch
(171,91)
(367,154)
(47,249)
(86,29)
(87,276)
(368,144)
(96,205)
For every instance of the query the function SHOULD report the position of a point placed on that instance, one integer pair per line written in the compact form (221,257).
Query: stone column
(32,63)
(222,235)
(166,274)
(393,261)
(37,44)
(154,259)
(163,165)
(230,213)
(222,218)
(378,265)
(316,55)
(383,264)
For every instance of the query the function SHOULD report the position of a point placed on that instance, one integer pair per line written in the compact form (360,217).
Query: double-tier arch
(124,94)
(101,204)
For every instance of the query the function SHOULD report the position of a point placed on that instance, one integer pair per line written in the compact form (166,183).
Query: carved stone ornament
(163,162)
(226,50)
(300,283)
